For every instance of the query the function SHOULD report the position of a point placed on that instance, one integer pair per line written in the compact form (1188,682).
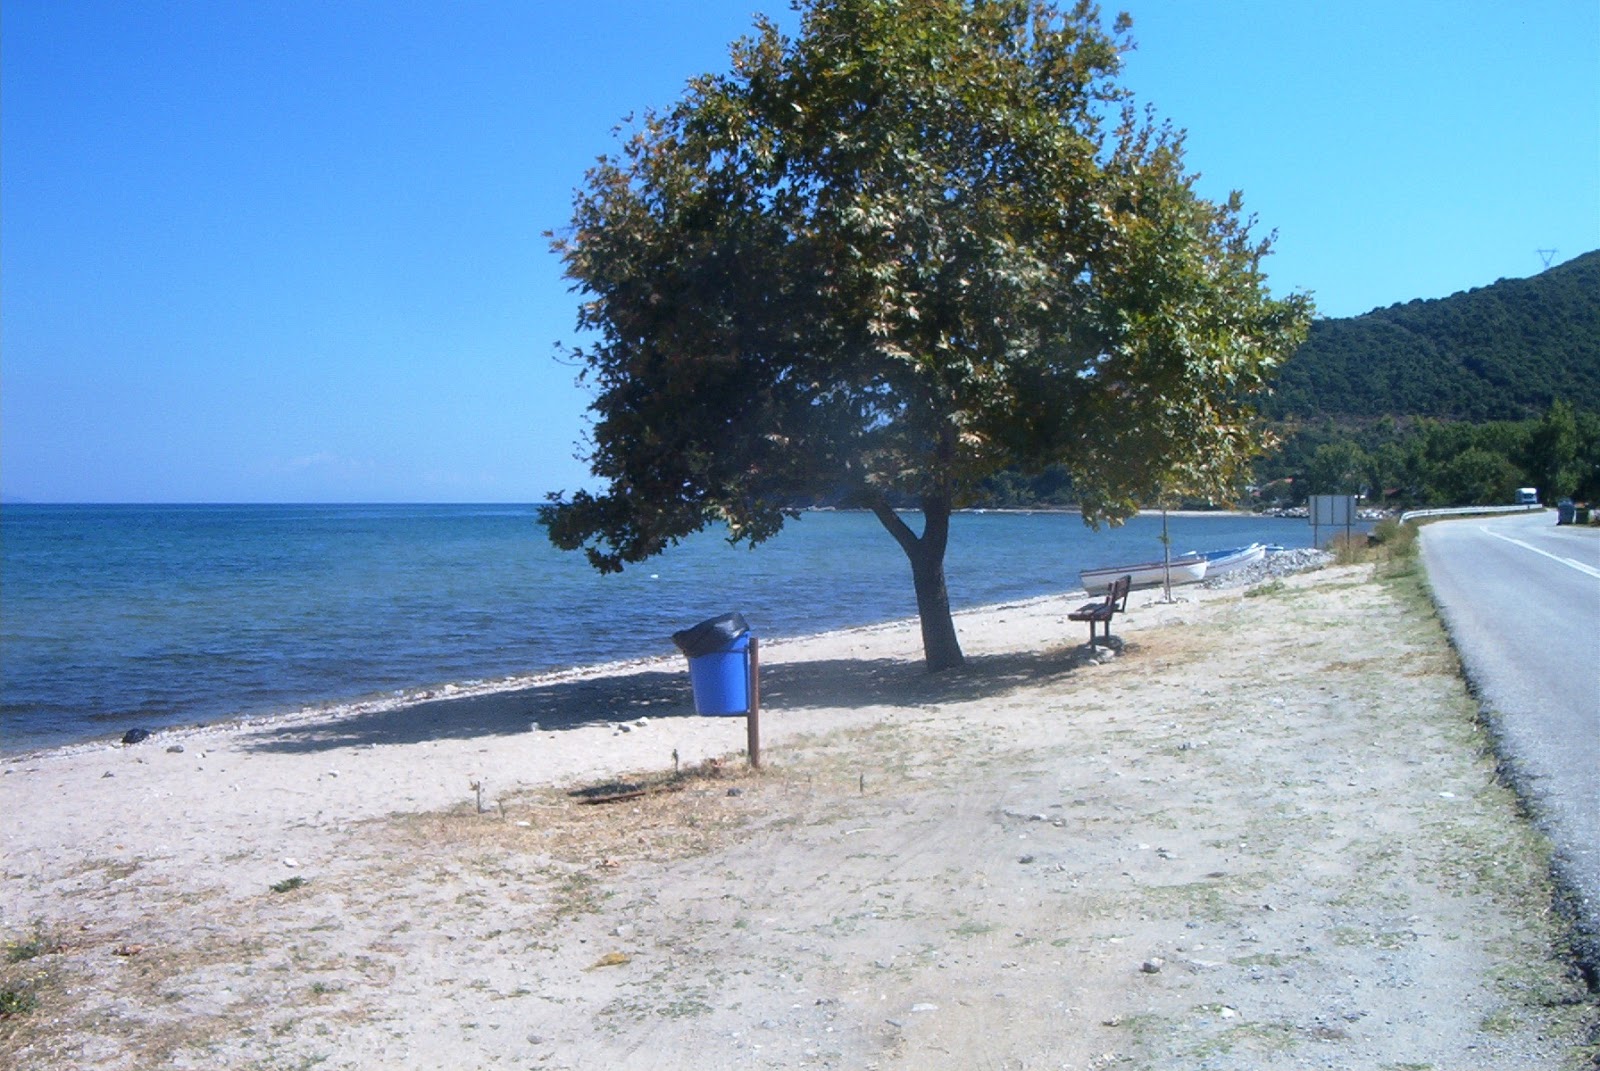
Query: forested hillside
(1499,352)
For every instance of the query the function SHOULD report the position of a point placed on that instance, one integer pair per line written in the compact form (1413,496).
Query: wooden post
(752,718)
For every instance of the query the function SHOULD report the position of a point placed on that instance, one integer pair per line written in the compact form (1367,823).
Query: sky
(292,250)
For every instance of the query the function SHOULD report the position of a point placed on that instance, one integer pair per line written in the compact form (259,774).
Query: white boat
(1219,562)
(1186,569)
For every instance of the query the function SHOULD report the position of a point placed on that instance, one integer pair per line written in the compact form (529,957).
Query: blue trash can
(719,664)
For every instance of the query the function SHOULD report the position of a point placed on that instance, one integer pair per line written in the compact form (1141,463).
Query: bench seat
(1115,602)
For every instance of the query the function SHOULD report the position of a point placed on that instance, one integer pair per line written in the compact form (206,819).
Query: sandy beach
(1260,830)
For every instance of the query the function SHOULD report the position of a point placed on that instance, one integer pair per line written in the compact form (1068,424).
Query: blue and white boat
(1219,562)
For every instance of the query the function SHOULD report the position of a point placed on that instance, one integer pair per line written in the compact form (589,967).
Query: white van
(1527,496)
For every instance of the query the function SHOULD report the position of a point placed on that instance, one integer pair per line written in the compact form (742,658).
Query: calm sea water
(119,616)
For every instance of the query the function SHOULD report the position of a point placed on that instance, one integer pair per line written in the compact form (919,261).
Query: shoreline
(276,650)
(332,711)
(389,700)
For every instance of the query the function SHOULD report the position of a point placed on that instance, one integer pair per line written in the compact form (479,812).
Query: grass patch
(1351,549)
(654,816)
(1397,551)
(1500,1023)
(38,943)
(288,884)
(1199,899)
(17,1000)
(1391,546)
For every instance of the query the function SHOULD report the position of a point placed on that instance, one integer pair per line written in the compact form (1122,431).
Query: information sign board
(1332,510)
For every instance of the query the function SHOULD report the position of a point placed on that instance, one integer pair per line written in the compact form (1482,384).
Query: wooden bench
(1115,602)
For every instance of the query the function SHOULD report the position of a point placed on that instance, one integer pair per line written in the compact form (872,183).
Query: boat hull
(1185,570)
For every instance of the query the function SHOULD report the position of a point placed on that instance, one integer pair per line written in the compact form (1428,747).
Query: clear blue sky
(291,251)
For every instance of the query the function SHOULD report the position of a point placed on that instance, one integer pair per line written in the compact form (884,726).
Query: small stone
(1229,1013)
(1153,965)
(291,862)
(134,736)
(735,791)
(1021,815)
(1024,858)
(921,1008)
(624,930)
(175,749)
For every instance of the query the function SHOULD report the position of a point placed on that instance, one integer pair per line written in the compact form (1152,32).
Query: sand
(1259,830)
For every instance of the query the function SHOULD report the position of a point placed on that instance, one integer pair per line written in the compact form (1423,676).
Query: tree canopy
(920,243)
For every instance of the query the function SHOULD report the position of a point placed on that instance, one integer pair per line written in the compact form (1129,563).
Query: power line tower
(1547,255)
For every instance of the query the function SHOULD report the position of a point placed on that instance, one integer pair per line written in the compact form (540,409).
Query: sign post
(752,718)
(1332,510)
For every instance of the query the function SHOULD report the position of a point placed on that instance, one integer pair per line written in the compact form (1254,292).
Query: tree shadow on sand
(626,696)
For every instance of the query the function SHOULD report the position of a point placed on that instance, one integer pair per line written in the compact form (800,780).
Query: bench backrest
(1117,594)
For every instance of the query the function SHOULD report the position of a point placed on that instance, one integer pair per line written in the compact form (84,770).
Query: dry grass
(658,815)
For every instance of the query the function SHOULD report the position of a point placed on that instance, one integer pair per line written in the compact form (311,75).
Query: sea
(125,616)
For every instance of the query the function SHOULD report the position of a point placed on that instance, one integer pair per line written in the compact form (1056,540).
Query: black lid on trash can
(711,637)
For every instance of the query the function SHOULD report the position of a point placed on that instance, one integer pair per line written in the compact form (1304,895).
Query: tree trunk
(941,649)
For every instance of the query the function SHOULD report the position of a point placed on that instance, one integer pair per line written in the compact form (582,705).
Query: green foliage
(17,1000)
(288,884)
(1397,539)
(1500,352)
(1337,468)
(1553,456)
(921,244)
(1434,463)
(1476,476)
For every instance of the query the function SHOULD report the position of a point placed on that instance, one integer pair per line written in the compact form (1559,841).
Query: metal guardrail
(1465,511)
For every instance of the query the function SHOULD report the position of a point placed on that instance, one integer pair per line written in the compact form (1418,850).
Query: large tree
(920,243)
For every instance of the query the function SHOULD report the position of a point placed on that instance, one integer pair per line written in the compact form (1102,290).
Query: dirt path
(1264,836)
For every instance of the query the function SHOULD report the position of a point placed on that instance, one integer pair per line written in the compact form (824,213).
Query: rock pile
(1275,564)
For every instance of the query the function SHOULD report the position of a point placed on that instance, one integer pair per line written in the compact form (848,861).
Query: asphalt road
(1521,598)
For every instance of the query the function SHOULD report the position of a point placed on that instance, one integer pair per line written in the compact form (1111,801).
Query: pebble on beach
(1279,563)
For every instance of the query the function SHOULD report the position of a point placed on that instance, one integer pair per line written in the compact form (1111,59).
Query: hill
(1498,352)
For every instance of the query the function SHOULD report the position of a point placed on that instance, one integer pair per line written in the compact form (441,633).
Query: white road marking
(1580,566)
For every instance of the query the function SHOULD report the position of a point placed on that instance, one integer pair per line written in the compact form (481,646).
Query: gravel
(1275,564)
